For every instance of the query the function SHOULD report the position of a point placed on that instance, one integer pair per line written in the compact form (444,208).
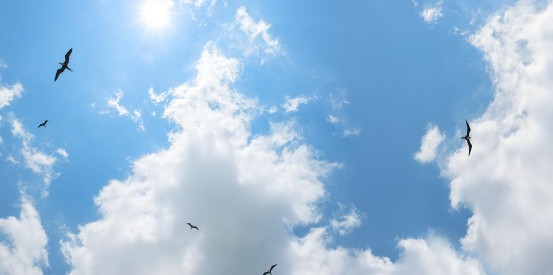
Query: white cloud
(257,34)
(3,64)
(292,104)
(273,109)
(310,255)
(35,159)
(157,98)
(506,182)
(432,13)
(429,144)
(8,93)
(23,246)
(122,111)
(333,119)
(237,188)
(200,3)
(63,153)
(338,99)
(347,222)
(351,132)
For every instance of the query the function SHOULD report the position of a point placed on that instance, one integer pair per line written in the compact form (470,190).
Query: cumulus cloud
(292,104)
(258,39)
(243,191)
(9,93)
(506,182)
(431,15)
(216,175)
(429,144)
(23,245)
(122,111)
(311,255)
(35,159)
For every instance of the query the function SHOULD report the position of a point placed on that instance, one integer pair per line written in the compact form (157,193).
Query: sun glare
(156,14)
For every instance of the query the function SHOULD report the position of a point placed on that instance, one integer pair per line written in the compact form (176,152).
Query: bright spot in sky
(155,14)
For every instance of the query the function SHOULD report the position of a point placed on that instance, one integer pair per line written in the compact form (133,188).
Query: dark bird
(270,269)
(64,64)
(192,226)
(43,124)
(467,136)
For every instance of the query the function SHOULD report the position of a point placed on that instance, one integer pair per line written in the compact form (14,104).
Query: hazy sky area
(322,136)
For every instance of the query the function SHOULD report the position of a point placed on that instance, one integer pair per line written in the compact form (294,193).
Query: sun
(156,14)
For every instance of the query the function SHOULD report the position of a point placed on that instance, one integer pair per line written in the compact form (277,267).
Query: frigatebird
(270,269)
(43,124)
(192,226)
(64,65)
(467,136)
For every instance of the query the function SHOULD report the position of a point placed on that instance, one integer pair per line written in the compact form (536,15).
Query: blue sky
(330,130)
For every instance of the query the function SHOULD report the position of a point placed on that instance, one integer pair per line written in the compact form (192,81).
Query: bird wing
(58,72)
(265,273)
(273,266)
(470,146)
(468,127)
(67,55)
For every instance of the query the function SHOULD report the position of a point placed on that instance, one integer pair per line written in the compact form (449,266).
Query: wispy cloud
(338,100)
(258,39)
(122,111)
(292,104)
(347,221)
(429,144)
(35,159)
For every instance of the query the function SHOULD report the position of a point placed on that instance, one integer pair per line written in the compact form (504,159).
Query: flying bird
(467,136)
(43,124)
(64,64)
(270,269)
(192,226)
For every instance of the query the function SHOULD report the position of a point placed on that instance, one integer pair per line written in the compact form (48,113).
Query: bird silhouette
(192,226)
(467,136)
(43,124)
(270,270)
(64,65)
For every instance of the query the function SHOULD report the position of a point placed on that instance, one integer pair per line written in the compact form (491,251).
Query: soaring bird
(467,136)
(43,124)
(64,64)
(192,226)
(270,269)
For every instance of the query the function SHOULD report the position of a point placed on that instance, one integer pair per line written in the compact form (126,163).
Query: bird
(270,269)
(467,136)
(64,65)
(43,124)
(192,226)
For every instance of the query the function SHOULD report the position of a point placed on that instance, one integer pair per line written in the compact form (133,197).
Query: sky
(323,137)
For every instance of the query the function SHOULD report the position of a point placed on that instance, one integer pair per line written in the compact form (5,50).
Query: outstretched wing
(468,128)
(271,269)
(470,146)
(58,72)
(67,55)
